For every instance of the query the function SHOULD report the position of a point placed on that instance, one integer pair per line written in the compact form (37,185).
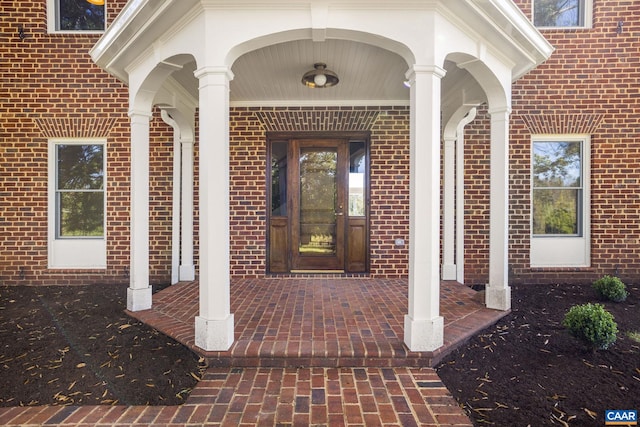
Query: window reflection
(357,170)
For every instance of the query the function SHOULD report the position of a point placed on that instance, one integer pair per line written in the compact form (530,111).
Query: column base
(139,299)
(423,335)
(214,335)
(498,298)
(449,272)
(187,273)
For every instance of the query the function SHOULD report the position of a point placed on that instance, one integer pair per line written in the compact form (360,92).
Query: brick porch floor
(322,351)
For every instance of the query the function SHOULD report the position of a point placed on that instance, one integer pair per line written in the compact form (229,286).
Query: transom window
(76,15)
(562,13)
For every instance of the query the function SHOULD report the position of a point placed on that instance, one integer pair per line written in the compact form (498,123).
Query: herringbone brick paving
(323,352)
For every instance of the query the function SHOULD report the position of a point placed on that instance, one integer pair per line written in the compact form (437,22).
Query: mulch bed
(74,345)
(528,371)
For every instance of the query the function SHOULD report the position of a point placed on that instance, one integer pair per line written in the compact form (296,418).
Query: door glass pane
(279,179)
(318,174)
(357,169)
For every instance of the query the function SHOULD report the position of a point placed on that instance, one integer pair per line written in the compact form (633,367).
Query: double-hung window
(560,201)
(77,183)
(72,16)
(562,13)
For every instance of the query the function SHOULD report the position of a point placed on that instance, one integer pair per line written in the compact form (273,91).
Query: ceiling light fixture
(320,77)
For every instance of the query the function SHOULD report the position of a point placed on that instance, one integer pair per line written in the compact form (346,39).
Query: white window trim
(70,253)
(565,251)
(52,21)
(588,18)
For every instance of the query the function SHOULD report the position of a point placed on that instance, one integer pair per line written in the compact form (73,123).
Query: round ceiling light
(320,77)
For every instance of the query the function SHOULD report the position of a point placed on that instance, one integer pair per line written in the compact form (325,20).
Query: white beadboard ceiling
(272,75)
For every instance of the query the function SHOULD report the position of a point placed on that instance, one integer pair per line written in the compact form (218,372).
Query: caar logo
(621,417)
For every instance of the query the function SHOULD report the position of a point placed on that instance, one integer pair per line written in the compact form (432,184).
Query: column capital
(502,110)
(139,115)
(424,69)
(208,71)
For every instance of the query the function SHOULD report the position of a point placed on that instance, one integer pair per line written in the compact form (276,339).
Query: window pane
(80,167)
(81,214)
(557,164)
(357,169)
(558,13)
(279,179)
(79,15)
(318,197)
(555,211)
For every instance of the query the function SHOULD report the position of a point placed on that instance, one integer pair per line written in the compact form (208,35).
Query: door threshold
(317,271)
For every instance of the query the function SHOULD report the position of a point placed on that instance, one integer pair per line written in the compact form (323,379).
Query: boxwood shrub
(610,288)
(592,324)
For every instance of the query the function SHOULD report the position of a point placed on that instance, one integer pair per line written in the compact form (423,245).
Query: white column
(498,292)
(449,210)
(214,325)
(187,269)
(423,326)
(139,291)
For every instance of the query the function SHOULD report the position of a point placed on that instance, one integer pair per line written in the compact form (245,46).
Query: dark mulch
(528,371)
(74,345)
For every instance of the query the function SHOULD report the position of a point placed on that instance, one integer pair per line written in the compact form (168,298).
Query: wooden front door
(318,221)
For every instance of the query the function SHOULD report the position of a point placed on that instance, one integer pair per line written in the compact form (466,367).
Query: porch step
(423,361)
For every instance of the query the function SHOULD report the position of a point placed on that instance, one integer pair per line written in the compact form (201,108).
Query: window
(77,203)
(76,15)
(557,187)
(560,200)
(79,190)
(562,13)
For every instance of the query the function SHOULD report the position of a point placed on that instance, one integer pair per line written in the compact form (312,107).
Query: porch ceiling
(368,74)
(271,75)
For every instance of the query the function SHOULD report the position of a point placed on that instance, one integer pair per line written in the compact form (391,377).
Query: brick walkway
(324,352)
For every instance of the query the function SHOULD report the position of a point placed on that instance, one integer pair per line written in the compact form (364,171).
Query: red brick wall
(590,84)
(50,88)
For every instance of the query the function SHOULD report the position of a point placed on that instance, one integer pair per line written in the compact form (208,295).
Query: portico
(197,58)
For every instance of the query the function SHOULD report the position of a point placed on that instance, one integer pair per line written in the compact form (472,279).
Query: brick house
(508,157)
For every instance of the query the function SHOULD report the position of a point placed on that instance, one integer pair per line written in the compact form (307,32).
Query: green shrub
(610,288)
(592,324)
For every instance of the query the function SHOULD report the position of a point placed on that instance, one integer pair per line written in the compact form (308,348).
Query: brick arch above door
(342,119)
